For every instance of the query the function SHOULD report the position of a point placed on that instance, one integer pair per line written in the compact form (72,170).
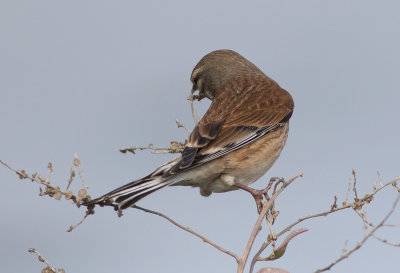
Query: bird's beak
(198,97)
(193,89)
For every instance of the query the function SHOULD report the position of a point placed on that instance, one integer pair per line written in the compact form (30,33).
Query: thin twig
(21,173)
(190,231)
(271,232)
(334,205)
(365,199)
(278,252)
(255,258)
(55,191)
(72,227)
(386,241)
(392,225)
(353,172)
(253,235)
(191,98)
(348,190)
(49,170)
(364,218)
(360,244)
(77,163)
(174,148)
(71,178)
(43,260)
(266,205)
(274,237)
(181,125)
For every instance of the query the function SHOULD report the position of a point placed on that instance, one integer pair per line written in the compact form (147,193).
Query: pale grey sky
(93,76)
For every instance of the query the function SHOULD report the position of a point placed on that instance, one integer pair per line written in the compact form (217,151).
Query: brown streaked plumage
(238,139)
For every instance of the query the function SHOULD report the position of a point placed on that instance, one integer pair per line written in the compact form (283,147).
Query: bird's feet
(257,194)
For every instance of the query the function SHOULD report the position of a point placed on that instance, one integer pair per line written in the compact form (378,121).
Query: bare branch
(191,98)
(88,212)
(366,199)
(20,173)
(77,163)
(353,172)
(267,210)
(181,125)
(360,244)
(55,191)
(230,253)
(174,148)
(266,205)
(49,268)
(348,190)
(52,191)
(386,241)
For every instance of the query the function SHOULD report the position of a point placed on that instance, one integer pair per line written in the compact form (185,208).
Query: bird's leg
(257,194)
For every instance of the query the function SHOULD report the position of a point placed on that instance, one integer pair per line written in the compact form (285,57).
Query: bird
(237,140)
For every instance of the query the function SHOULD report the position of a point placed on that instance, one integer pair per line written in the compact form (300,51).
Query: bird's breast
(244,165)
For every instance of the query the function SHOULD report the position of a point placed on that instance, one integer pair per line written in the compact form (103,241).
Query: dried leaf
(282,248)
(22,174)
(68,195)
(57,195)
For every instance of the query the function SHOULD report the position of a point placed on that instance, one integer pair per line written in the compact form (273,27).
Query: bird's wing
(244,111)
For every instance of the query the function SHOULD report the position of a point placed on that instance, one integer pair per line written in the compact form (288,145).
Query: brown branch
(49,268)
(266,205)
(348,190)
(258,254)
(360,244)
(325,213)
(77,164)
(181,125)
(253,235)
(55,191)
(355,205)
(277,253)
(88,212)
(21,173)
(230,253)
(174,148)
(267,211)
(52,191)
(386,241)
(364,218)
(191,98)
(353,172)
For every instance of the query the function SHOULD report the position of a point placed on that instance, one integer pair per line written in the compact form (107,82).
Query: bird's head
(216,68)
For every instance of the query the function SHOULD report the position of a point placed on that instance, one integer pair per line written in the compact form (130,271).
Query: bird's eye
(195,82)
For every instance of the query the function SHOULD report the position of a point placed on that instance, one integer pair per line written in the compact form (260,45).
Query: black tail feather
(127,195)
(134,200)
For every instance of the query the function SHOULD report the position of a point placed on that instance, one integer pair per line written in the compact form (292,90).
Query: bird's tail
(131,193)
